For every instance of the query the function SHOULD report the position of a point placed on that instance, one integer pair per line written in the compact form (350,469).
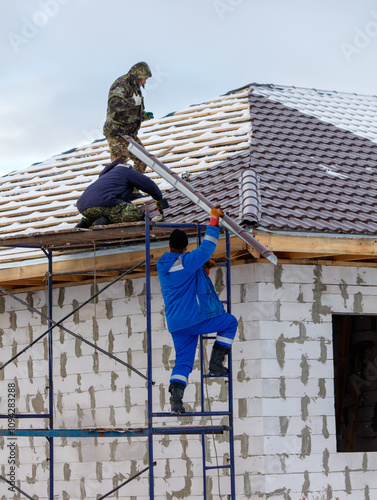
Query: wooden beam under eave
(19,275)
(303,255)
(350,258)
(318,245)
(70,277)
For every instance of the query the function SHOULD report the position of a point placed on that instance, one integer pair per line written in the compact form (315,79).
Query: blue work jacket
(188,292)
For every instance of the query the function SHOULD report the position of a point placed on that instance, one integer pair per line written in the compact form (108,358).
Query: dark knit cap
(178,239)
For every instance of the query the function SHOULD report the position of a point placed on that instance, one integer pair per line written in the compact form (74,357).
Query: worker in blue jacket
(192,306)
(108,199)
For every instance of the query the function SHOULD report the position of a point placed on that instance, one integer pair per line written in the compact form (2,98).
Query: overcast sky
(59,58)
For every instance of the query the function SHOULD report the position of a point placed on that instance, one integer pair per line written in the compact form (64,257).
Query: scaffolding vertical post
(149,352)
(50,376)
(230,379)
(203,437)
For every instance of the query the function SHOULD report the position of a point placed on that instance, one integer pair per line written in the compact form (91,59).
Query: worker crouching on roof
(192,306)
(108,199)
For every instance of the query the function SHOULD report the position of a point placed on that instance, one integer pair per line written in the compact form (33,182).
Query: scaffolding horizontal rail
(193,414)
(191,430)
(74,432)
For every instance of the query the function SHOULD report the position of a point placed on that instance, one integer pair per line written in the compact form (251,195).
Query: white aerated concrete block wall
(285,357)
(285,446)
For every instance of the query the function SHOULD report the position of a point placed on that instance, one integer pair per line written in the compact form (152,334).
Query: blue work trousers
(186,341)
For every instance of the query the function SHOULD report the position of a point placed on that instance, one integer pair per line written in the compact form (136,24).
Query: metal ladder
(203,431)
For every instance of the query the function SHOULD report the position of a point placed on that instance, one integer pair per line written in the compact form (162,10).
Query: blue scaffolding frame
(151,431)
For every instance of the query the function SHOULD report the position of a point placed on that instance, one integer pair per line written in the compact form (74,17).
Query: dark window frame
(355,381)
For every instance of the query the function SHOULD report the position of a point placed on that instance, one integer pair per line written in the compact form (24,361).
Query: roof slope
(352,112)
(312,155)
(313,176)
(42,197)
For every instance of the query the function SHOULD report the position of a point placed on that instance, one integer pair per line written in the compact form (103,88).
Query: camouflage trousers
(124,212)
(119,148)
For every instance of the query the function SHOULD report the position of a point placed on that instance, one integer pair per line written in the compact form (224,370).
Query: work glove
(137,100)
(162,204)
(209,265)
(215,214)
(147,116)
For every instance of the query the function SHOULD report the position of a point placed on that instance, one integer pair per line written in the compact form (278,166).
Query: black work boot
(176,390)
(82,224)
(101,221)
(218,354)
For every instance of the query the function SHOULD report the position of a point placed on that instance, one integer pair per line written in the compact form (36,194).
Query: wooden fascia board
(289,248)
(109,261)
(318,245)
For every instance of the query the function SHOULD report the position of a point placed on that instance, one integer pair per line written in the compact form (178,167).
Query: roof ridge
(319,91)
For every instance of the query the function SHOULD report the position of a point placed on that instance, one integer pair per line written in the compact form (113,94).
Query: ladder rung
(217,467)
(192,430)
(192,414)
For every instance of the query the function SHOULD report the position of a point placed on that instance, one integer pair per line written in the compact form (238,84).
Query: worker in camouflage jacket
(125,112)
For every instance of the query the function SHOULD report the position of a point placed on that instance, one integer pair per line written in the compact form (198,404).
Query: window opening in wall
(355,382)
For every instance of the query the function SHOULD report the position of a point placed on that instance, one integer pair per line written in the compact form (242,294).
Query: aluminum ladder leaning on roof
(197,198)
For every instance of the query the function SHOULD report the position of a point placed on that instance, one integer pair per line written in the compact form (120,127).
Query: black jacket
(114,185)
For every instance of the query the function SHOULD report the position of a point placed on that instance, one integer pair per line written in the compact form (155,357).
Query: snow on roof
(43,195)
(352,112)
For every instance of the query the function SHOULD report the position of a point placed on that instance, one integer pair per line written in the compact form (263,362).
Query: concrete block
(360,479)
(270,368)
(157,304)
(282,445)
(317,486)
(77,294)
(254,349)
(317,369)
(318,330)
(138,323)
(288,292)
(290,311)
(314,422)
(282,407)
(322,443)
(246,389)
(115,291)
(366,276)
(291,273)
(273,329)
(247,408)
(337,304)
(271,387)
(296,349)
(266,311)
(90,311)
(294,387)
(250,330)
(322,406)
(341,274)
(243,274)
(354,461)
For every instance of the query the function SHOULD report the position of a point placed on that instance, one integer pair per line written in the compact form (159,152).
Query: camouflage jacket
(123,117)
